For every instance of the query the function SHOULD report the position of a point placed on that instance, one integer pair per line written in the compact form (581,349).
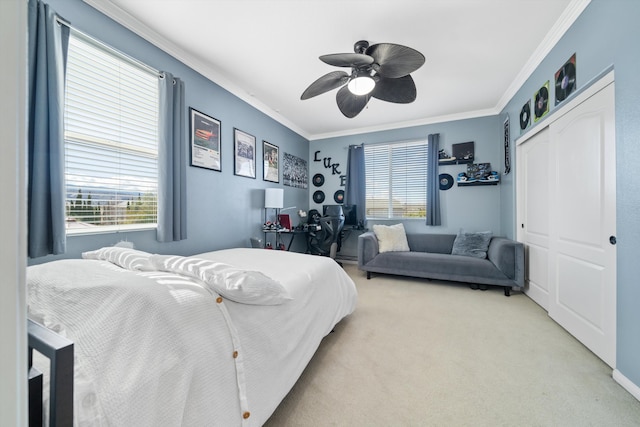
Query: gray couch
(430,257)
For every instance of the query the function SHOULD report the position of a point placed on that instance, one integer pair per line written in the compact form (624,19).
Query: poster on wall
(244,153)
(294,171)
(205,140)
(507,150)
(271,162)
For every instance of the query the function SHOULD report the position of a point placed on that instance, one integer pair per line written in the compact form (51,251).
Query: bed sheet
(278,342)
(155,348)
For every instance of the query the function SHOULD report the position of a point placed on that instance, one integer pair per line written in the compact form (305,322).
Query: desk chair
(327,240)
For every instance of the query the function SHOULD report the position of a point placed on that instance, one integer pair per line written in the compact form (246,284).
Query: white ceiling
(478,52)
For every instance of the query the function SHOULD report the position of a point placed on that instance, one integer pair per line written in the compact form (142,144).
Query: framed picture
(244,147)
(205,140)
(271,171)
(294,172)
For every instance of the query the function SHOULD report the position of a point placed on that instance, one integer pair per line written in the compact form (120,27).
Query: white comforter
(155,348)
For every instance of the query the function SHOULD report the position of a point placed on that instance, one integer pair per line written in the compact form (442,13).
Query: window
(396,180)
(111,140)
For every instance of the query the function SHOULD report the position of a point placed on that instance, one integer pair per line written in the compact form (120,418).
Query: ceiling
(478,52)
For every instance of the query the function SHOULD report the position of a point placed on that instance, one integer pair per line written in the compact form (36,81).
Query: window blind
(396,180)
(111,139)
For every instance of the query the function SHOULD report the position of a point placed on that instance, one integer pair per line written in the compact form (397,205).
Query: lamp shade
(274,198)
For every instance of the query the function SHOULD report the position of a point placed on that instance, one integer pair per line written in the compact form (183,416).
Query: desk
(279,234)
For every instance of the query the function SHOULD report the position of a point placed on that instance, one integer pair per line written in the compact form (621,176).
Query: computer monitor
(349,211)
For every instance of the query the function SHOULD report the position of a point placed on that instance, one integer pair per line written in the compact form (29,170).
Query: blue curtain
(355,184)
(172,161)
(47,54)
(433,185)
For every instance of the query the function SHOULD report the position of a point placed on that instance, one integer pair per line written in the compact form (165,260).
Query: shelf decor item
(462,153)
(478,174)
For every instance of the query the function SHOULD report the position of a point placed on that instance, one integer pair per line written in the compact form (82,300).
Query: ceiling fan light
(361,85)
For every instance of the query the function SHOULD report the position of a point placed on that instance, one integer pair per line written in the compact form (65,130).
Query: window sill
(110,229)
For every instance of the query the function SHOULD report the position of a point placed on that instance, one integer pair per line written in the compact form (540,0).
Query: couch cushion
(472,244)
(391,238)
(432,243)
(437,266)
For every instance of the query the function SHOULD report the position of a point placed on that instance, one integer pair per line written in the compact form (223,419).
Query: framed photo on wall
(205,140)
(271,170)
(244,147)
(294,171)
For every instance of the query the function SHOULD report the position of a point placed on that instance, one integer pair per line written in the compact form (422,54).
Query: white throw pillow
(391,238)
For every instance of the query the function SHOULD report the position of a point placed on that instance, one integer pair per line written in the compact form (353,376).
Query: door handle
(612,240)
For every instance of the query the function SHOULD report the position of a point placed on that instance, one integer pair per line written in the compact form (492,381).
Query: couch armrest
(508,256)
(367,247)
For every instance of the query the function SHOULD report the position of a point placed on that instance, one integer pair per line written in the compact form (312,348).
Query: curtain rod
(61,21)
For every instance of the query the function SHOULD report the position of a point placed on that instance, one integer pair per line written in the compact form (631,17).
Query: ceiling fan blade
(394,60)
(325,83)
(401,90)
(349,104)
(347,59)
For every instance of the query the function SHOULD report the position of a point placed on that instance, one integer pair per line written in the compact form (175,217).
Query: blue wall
(224,210)
(605,35)
(471,208)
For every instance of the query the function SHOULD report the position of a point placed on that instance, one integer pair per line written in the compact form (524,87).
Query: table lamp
(273,199)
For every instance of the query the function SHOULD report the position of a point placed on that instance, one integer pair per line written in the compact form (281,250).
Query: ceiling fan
(380,71)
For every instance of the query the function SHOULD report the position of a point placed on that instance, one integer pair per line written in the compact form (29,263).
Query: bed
(214,339)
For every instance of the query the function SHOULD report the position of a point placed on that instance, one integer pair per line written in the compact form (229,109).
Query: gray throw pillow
(472,244)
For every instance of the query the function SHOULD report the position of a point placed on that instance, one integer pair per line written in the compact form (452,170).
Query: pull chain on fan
(380,71)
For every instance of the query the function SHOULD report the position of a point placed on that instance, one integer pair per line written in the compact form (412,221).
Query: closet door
(566,192)
(583,206)
(533,167)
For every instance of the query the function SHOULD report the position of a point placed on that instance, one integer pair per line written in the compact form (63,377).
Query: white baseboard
(626,384)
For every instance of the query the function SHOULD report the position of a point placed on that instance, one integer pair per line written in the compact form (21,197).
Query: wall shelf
(477,183)
(445,162)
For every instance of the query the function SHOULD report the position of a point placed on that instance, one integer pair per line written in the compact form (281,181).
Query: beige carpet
(420,353)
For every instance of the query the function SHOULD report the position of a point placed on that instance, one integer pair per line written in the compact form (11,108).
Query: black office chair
(327,240)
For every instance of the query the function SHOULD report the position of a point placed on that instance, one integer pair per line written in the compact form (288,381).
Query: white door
(582,270)
(533,214)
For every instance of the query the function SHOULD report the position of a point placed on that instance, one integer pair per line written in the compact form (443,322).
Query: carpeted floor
(420,353)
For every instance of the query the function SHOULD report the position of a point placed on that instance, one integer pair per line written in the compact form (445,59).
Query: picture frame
(271,161)
(204,132)
(244,150)
(295,172)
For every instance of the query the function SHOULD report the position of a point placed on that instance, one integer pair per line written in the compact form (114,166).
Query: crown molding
(409,123)
(114,12)
(564,22)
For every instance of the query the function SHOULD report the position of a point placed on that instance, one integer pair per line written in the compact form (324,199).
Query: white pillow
(236,284)
(130,259)
(391,238)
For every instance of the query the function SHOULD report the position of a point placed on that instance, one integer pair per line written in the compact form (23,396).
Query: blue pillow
(472,244)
